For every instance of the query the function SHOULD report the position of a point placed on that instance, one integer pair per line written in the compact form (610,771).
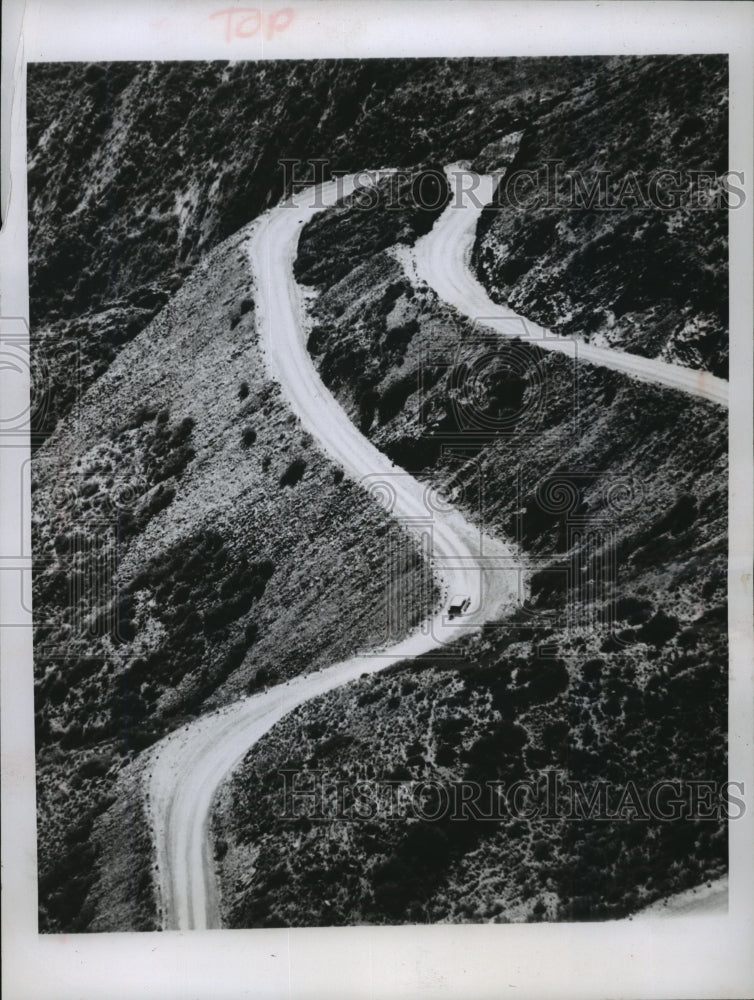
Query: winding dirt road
(442,259)
(186,768)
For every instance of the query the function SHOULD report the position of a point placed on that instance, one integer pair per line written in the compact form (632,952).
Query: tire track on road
(187,768)
(442,259)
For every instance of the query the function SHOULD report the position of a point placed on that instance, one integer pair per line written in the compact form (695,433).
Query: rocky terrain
(137,170)
(509,709)
(191,545)
(614,671)
(642,266)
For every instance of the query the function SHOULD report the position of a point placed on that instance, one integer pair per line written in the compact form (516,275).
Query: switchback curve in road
(186,768)
(442,259)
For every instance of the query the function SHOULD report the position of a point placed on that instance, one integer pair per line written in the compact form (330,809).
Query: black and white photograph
(379,486)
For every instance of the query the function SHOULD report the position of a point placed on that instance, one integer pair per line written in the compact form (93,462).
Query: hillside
(484,718)
(644,266)
(136,170)
(615,671)
(190,545)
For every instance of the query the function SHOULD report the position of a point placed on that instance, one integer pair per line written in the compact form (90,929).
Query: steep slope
(188,768)
(611,221)
(190,545)
(392,757)
(136,170)
(176,512)
(615,672)
(442,260)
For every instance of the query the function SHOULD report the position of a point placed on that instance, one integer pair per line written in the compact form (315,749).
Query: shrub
(265,568)
(391,898)
(689,638)
(233,660)
(182,432)
(545,679)
(94,73)
(96,767)
(393,398)
(72,737)
(659,629)
(142,415)
(57,691)
(541,850)
(316,340)
(490,754)
(399,337)
(243,390)
(176,462)
(449,730)
(333,744)
(550,585)
(555,736)
(261,678)
(634,610)
(62,543)
(223,614)
(368,400)
(248,437)
(130,522)
(680,516)
(293,473)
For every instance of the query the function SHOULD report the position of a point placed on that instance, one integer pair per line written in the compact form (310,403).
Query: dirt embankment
(191,545)
(611,222)
(127,190)
(615,671)
(176,516)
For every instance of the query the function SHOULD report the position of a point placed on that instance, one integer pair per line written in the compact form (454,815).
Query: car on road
(459,605)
